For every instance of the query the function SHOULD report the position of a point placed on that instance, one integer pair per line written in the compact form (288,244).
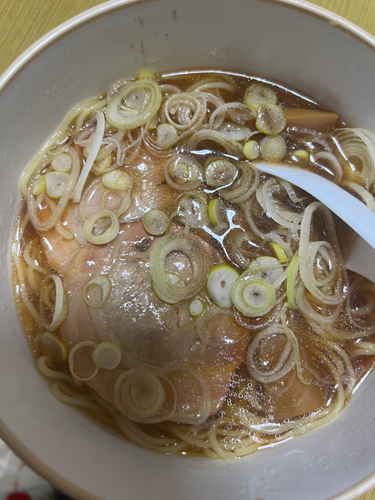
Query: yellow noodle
(31,262)
(77,400)
(122,422)
(64,233)
(192,441)
(364,349)
(211,454)
(149,438)
(23,292)
(88,110)
(226,455)
(42,367)
(247,450)
(31,279)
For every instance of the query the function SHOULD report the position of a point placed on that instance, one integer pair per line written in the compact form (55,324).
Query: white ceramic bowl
(292,42)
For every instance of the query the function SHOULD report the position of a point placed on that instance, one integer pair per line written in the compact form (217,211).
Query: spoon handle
(347,207)
(362,259)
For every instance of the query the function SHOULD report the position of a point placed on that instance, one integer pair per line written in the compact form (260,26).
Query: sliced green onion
(62,162)
(273,149)
(291,280)
(183,173)
(146,75)
(175,280)
(196,308)
(32,202)
(262,372)
(55,347)
(59,304)
(185,112)
(203,135)
(43,368)
(267,268)
(213,83)
(244,185)
(179,317)
(63,232)
(364,349)
(215,208)
(279,252)
(220,172)
(90,295)
(251,150)
(253,296)
(155,222)
(56,183)
(106,236)
(39,185)
(31,257)
(134,104)
(357,146)
(103,166)
(117,180)
(329,284)
(220,282)
(194,250)
(107,355)
(300,156)
(72,354)
(363,193)
(234,132)
(256,295)
(88,110)
(97,139)
(270,119)
(167,135)
(294,342)
(48,294)
(194,206)
(145,395)
(258,94)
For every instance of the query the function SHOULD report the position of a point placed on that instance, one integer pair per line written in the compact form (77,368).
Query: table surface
(22,22)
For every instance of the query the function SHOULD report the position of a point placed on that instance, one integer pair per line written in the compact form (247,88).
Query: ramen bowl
(291,42)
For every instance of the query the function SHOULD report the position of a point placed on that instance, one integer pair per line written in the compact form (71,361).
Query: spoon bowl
(344,205)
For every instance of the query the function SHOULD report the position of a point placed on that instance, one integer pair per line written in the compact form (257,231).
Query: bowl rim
(6,79)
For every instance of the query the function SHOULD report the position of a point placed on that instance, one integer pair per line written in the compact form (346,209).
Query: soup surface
(171,291)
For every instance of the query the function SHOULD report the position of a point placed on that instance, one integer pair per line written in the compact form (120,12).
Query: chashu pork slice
(149,191)
(288,397)
(134,318)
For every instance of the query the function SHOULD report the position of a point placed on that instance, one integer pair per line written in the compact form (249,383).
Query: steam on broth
(171,291)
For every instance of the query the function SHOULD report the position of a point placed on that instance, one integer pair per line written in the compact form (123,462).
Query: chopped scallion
(220,281)
(155,222)
(270,119)
(251,150)
(258,94)
(117,180)
(196,308)
(107,355)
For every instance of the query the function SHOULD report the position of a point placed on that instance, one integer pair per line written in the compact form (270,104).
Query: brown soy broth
(286,398)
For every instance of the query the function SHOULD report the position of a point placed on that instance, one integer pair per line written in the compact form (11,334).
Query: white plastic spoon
(343,204)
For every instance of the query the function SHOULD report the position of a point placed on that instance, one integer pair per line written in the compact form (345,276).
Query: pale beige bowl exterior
(293,42)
